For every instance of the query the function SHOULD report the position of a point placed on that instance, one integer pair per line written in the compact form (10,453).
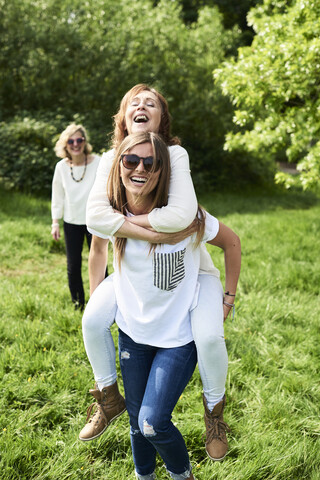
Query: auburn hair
(120,129)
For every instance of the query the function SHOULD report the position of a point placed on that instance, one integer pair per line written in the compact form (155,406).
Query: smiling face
(139,183)
(143,113)
(76,149)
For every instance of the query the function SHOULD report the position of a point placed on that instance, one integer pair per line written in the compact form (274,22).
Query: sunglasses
(131,161)
(77,141)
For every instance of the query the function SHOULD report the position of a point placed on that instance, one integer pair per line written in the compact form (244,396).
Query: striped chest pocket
(168,269)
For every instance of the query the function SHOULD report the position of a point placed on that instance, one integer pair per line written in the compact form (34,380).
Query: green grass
(273,389)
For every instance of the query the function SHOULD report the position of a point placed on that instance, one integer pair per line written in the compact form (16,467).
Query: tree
(62,58)
(274,86)
(234,13)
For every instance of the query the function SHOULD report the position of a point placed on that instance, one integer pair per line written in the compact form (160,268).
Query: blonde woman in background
(72,181)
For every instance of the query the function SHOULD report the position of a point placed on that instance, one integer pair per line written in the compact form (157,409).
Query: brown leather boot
(110,405)
(216,438)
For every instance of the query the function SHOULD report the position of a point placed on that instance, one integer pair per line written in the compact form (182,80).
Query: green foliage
(27,159)
(79,58)
(200,115)
(273,393)
(274,86)
(234,13)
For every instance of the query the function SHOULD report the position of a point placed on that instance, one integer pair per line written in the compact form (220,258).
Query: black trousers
(74,237)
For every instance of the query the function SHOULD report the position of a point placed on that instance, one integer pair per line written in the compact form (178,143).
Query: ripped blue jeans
(154,378)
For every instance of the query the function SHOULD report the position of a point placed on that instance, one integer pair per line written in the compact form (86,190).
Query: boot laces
(97,413)
(216,429)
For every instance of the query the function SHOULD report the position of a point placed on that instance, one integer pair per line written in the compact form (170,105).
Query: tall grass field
(273,385)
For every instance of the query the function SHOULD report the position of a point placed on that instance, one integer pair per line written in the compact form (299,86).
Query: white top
(156,291)
(69,198)
(177,215)
(182,206)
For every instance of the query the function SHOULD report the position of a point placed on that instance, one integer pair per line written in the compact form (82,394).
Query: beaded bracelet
(230,294)
(230,305)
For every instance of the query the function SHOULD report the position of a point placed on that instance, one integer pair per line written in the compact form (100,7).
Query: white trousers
(207,329)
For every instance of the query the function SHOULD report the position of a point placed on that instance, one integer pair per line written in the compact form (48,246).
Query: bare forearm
(130,230)
(232,259)
(98,259)
(143,221)
(232,256)
(140,220)
(230,244)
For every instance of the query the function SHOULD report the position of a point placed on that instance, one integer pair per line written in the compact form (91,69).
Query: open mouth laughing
(138,180)
(141,118)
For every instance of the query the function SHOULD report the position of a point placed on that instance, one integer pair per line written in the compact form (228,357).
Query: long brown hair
(117,193)
(116,190)
(120,130)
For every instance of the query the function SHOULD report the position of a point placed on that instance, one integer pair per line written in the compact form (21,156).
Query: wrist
(230,305)
(54,225)
(154,237)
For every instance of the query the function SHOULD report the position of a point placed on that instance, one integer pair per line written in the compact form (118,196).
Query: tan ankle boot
(110,405)
(216,438)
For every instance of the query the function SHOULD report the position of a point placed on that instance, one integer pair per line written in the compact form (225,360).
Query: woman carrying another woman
(72,181)
(144,109)
(156,288)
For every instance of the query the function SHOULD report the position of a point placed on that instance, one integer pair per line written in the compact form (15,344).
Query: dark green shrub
(27,159)
(77,60)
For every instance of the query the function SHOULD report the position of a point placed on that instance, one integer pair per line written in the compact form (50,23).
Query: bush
(27,158)
(274,86)
(81,58)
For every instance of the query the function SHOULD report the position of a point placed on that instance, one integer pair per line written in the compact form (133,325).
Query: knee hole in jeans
(124,355)
(148,430)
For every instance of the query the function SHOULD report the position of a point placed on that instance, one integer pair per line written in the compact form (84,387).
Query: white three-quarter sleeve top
(181,210)
(69,198)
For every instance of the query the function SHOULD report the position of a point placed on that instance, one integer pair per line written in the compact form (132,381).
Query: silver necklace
(84,171)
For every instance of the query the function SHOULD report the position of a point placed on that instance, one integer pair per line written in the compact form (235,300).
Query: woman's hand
(173,238)
(228,299)
(55,232)
(130,230)
(226,311)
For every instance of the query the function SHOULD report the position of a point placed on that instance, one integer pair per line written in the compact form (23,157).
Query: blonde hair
(60,146)
(120,130)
